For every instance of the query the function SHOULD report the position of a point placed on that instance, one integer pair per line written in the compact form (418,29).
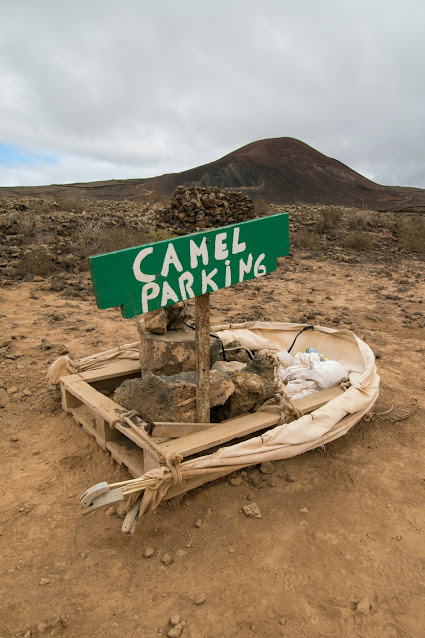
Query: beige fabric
(65,365)
(310,431)
(250,339)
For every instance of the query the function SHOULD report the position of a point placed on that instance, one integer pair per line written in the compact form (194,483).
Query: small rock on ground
(149,551)
(267,467)
(42,627)
(175,620)
(167,559)
(44,581)
(363,606)
(176,631)
(201,599)
(252,510)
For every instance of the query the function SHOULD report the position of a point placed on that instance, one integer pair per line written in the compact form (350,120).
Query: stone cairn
(166,390)
(209,207)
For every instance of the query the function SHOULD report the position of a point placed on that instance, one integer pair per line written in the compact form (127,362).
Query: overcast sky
(101,89)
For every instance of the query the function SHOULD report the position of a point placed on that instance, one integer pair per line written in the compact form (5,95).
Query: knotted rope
(393,413)
(287,409)
(377,416)
(172,461)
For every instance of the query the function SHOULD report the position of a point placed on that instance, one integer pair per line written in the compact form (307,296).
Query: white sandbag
(327,374)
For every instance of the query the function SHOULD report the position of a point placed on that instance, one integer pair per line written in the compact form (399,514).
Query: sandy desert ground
(340,547)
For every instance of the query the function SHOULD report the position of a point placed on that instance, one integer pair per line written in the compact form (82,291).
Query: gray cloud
(138,88)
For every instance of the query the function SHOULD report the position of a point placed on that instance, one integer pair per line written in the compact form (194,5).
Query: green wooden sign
(155,275)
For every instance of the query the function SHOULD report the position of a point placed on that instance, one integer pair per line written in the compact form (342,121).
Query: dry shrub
(305,239)
(382,220)
(156,198)
(261,207)
(98,236)
(37,260)
(410,231)
(69,204)
(43,206)
(357,241)
(359,219)
(329,220)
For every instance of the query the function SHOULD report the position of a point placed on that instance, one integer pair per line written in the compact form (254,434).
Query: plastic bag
(310,372)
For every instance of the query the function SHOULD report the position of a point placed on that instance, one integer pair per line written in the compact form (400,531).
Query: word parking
(155,275)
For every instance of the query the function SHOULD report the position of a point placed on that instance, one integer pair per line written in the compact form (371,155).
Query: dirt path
(340,526)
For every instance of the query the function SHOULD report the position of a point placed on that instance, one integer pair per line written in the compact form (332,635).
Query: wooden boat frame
(83,397)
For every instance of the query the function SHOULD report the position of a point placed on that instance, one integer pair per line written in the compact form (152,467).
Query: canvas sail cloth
(65,365)
(284,441)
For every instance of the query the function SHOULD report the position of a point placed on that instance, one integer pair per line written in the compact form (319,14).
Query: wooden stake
(202,325)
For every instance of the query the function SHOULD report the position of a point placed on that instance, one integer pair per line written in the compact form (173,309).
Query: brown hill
(280,170)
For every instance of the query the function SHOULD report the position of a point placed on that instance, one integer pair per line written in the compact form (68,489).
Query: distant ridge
(280,170)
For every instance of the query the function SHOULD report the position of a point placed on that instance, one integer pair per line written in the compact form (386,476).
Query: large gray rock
(235,352)
(160,321)
(172,352)
(253,385)
(170,398)
(264,368)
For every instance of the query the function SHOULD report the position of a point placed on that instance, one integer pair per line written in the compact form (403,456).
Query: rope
(377,416)
(172,461)
(287,409)
(393,413)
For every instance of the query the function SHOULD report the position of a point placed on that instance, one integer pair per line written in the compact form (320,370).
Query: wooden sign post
(157,275)
(202,332)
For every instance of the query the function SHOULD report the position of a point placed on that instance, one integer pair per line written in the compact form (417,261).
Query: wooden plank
(95,411)
(78,391)
(243,425)
(316,400)
(104,432)
(68,399)
(202,339)
(131,434)
(103,406)
(171,430)
(221,433)
(149,462)
(118,368)
(86,418)
(125,452)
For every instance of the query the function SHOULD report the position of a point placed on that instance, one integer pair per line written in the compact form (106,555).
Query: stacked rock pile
(42,237)
(209,207)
